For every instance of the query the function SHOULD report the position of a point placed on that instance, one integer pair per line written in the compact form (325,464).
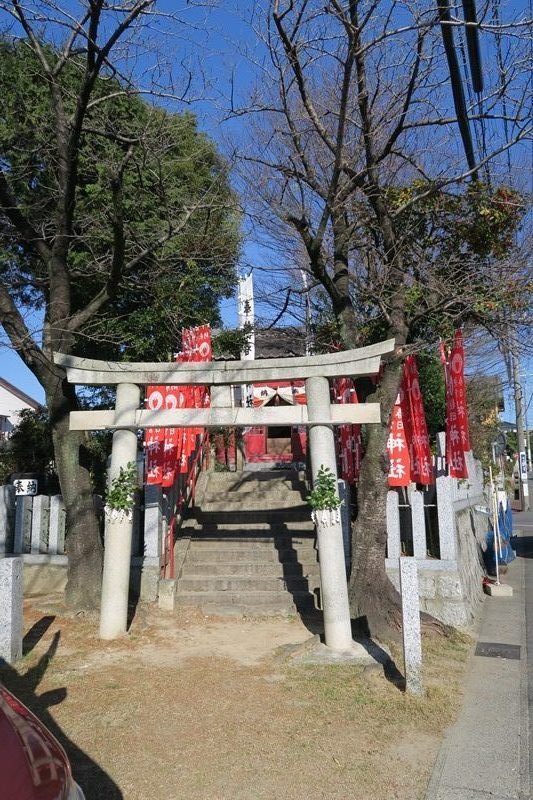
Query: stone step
(257,505)
(242,583)
(271,489)
(250,518)
(244,554)
(270,569)
(242,603)
(259,548)
(243,557)
(256,531)
(280,541)
(252,546)
(289,477)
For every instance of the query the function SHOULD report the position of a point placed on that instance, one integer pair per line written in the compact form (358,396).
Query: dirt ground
(193,708)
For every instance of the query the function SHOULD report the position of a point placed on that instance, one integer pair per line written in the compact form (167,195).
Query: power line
(458,94)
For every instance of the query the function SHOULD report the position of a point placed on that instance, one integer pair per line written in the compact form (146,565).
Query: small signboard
(25,486)
(523,466)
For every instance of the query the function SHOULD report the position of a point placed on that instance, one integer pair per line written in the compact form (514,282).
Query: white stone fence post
(440,528)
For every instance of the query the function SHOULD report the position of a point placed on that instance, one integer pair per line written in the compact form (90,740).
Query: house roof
(20,394)
(279,342)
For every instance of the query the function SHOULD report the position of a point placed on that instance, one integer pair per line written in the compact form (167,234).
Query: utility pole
(520,434)
(308,340)
(528,438)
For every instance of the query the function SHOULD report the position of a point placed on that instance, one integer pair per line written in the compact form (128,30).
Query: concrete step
(241,603)
(257,505)
(237,479)
(269,530)
(270,569)
(246,555)
(242,584)
(252,548)
(247,483)
(248,518)
(233,541)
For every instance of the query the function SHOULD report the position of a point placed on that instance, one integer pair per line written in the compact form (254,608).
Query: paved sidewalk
(486,754)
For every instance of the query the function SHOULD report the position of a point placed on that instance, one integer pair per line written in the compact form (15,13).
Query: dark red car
(33,765)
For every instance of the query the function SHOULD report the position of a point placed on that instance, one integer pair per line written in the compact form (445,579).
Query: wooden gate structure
(319,415)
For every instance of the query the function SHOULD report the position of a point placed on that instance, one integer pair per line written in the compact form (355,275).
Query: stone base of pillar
(312,651)
(149,588)
(167,594)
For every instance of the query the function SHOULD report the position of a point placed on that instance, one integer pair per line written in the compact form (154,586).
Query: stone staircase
(248,546)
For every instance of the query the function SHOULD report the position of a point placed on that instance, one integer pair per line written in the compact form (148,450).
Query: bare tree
(356,157)
(108,206)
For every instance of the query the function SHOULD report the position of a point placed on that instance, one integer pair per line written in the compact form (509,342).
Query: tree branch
(9,207)
(20,337)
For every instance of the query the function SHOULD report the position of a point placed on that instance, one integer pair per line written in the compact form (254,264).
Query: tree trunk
(373,599)
(83,543)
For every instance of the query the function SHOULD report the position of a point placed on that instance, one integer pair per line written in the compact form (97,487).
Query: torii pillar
(118,532)
(334,589)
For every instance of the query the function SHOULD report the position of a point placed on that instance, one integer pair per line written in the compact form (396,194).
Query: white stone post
(118,532)
(23,512)
(418,523)
(394,547)
(11,608)
(412,639)
(153,542)
(40,521)
(445,500)
(337,625)
(346,522)
(446,518)
(7,518)
(57,522)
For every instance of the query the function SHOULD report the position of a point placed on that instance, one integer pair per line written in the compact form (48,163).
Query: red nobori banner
(399,438)
(186,437)
(457,370)
(168,449)
(457,432)
(419,450)
(154,438)
(408,443)
(196,347)
(349,436)
(175,398)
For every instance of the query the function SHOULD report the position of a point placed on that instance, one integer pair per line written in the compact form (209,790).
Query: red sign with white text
(457,432)
(408,443)
(419,450)
(398,441)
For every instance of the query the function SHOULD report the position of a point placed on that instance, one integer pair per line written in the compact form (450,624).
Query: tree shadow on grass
(95,782)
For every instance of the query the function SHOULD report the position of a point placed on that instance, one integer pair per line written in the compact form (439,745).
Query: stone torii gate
(319,415)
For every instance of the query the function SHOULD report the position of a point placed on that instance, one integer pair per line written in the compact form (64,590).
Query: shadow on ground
(95,782)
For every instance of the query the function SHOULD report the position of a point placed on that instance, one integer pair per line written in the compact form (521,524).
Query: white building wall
(10,408)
